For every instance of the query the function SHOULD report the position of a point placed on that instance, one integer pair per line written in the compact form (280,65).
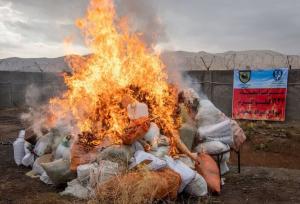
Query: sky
(37,28)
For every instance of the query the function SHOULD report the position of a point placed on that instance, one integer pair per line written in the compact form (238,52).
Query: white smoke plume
(143,18)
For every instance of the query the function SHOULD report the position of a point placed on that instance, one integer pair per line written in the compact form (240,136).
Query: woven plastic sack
(208,168)
(239,136)
(136,130)
(152,136)
(75,189)
(28,159)
(102,172)
(37,168)
(79,156)
(18,145)
(137,110)
(197,187)
(186,173)
(154,163)
(217,132)
(43,145)
(58,171)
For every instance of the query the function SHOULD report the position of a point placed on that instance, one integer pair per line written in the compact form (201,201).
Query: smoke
(36,98)
(143,18)
(178,73)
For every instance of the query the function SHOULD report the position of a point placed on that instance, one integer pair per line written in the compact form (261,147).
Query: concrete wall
(14,85)
(217,85)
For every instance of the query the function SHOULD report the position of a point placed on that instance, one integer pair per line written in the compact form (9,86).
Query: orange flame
(120,64)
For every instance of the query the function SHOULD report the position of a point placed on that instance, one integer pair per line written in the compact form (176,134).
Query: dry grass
(139,187)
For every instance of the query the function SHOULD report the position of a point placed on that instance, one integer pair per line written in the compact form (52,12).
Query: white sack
(213,147)
(187,161)
(61,150)
(137,146)
(102,172)
(186,173)
(161,151)
(43,145)
(37,168)
(208,114)
(18,145)
(197,187)
(75,189)
(58,171)
(152,136)
(83,171)
(218,132)
(137,110)
(28,159)
(141,156)
(45,178)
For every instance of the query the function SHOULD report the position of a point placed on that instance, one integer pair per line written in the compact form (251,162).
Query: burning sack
(136,130)
(116,153)
(81,155)
(140,187)
(208,168)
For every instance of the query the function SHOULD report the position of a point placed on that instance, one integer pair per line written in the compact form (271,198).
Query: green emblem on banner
(245,76)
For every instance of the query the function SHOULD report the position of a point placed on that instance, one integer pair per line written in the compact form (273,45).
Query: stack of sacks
(56,161)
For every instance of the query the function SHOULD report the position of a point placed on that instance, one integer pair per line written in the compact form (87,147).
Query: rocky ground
(270,168)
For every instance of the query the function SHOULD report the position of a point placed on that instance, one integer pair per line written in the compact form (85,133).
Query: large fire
(121,64)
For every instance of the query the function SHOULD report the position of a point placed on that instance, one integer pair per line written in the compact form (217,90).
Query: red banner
(259,104)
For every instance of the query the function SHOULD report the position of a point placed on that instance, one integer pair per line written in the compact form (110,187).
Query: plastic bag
(18,145)
(208,168)
(218,132)
(197,187)
(141,156)
(186,173)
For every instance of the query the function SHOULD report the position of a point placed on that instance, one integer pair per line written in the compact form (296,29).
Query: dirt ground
(270,168)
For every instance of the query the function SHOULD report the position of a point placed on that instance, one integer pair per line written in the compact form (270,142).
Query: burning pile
(120,65)
(122,118)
